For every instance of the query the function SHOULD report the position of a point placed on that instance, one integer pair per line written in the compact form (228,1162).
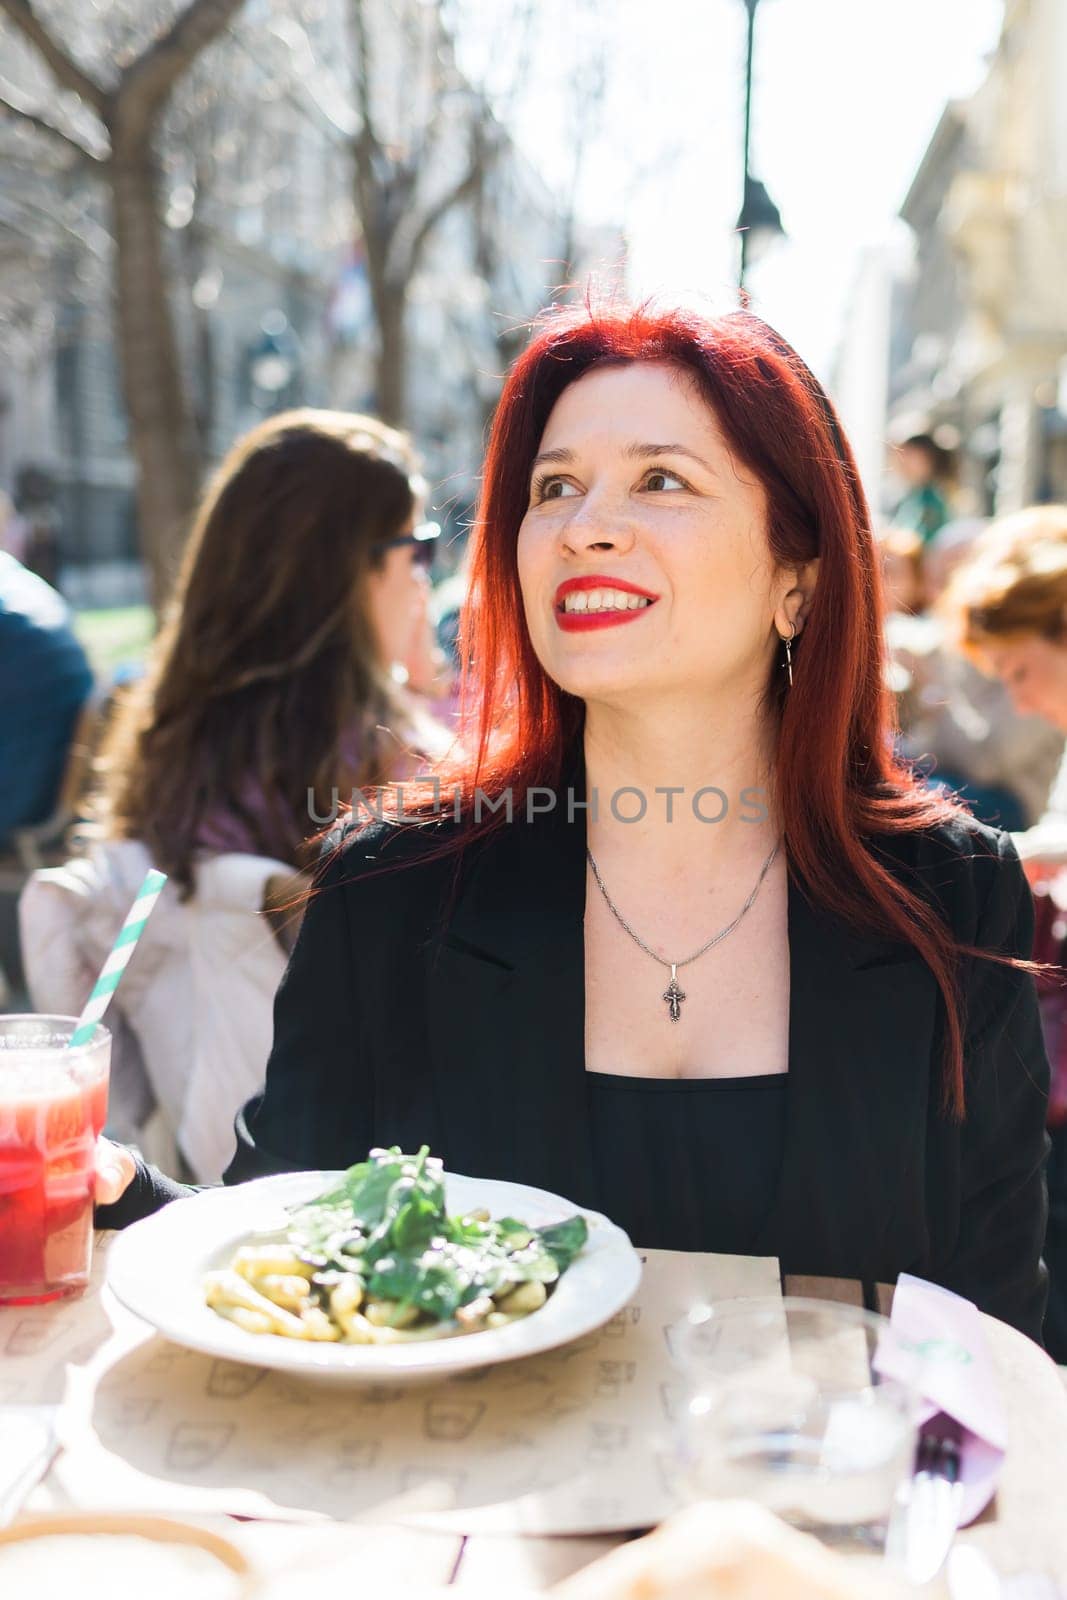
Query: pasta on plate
(377,1260)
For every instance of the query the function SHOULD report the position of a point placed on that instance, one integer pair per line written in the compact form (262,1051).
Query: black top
(688,1163)
(680,1163)
(420,1010)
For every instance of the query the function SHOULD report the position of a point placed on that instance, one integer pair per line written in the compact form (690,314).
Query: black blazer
(401,1020)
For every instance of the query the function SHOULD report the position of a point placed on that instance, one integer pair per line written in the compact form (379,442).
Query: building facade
(979,347)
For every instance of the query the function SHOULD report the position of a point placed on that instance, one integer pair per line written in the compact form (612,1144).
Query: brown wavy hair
(1014,585)
(265,681)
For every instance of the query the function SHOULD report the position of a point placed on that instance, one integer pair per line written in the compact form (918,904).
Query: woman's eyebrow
(558,457)
(636,452)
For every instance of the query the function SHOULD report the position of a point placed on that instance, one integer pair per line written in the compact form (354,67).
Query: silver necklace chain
(674,995)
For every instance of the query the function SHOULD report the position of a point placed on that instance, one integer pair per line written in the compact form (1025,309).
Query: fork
(924,1523)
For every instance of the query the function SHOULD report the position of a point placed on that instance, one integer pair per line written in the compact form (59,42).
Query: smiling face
(643,556)
(1034,670)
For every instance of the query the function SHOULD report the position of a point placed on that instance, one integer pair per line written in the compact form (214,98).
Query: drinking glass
(783,1405)
(53,1104)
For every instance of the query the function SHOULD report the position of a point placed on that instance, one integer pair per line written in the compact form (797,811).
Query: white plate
(156,1268)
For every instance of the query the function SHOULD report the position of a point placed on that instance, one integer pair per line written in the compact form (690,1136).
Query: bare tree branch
(465,189)
(362,73)
(436,68)
(367,154)
(63,67)
(95,241)
(429,63)
(10,107)
(312,77)
(148,80)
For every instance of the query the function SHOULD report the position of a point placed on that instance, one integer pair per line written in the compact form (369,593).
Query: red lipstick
(584,621)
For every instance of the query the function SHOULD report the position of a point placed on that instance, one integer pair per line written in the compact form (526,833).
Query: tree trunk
(393,353)
(204,365)
(161,426)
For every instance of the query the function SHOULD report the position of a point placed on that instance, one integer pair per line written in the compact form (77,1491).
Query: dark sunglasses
(423,538)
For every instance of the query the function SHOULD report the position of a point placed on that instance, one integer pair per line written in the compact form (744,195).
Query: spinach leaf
(432,1282)
(413,1210)
(323,1231)
(470,1231)
(514,1235)
(338,1196)
(371,1184)
(418,1220)
(533,1264)
(563,1240)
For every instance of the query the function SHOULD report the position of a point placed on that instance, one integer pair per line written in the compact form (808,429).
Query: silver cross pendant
(673,995)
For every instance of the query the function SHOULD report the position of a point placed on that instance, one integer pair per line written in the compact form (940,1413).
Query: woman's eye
(553,488)
(660,478)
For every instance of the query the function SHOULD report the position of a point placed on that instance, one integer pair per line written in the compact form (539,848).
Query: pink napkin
(955,1378)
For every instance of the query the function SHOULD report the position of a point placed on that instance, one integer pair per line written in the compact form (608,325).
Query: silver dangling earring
(789,651)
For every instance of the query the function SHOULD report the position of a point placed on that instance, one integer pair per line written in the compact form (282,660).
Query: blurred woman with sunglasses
(276,687)
(272,682)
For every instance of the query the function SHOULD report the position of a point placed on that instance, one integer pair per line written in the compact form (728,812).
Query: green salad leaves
(386,1225)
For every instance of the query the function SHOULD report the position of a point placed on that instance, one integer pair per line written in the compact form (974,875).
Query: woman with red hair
(677,937)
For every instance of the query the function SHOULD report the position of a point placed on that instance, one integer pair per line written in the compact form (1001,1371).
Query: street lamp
(760,222)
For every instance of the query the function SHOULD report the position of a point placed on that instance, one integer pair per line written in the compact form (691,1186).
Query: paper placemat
(574,1441)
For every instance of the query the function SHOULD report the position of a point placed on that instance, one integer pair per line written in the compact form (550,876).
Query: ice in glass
(53,1104)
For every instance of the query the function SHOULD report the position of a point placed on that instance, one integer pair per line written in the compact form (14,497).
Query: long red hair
(837,778)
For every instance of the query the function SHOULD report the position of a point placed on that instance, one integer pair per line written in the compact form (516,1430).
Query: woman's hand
(115,1171)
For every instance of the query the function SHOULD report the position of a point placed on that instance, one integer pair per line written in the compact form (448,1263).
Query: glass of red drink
(53,1104)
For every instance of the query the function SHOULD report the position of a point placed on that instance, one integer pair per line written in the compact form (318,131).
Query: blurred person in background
(35,496)
(907,628)
(270,697)
(924,467)
(13,529)
(45,682)
(1003,610)
(1006,611)
(953,717)
(948,549)
(901,551)
(426,669)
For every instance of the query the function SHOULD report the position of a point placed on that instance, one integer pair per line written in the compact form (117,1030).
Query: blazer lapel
(862,1013)
(507,1011)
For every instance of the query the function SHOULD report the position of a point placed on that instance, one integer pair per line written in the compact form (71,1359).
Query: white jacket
(192,1017)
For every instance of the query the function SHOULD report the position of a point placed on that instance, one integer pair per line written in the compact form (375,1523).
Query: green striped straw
(116,963)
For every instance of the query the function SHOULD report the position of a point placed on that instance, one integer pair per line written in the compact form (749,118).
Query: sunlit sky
(847,95)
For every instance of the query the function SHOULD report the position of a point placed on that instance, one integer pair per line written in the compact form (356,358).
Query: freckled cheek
(531,600)
(720,612)
(713,583)
(534,561)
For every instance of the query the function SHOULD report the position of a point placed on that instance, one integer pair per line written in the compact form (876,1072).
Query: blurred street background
(213,211)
